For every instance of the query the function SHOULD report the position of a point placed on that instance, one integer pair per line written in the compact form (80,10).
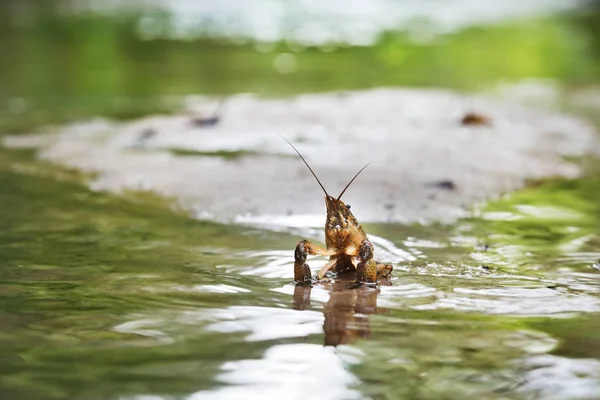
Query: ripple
(387,251)
(266,323)
(280,263)
(549,212)
(510,292)
(319,293)
(552,377)
(411,290)
(515,301)
(579,281)
(579,257)
(415,242)
(291,371)
(271,264)
(213,289)
(500,216)
(141,328)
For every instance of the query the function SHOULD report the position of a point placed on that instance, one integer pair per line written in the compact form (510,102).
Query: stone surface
(426,165)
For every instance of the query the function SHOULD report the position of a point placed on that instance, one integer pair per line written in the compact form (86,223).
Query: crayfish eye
(348,206)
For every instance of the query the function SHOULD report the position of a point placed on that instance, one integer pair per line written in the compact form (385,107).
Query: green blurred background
(64,60)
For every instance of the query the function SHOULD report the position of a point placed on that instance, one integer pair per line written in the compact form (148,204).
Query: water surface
(108,297)
(105,297)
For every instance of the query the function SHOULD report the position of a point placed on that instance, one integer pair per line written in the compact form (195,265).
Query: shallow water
(107,297)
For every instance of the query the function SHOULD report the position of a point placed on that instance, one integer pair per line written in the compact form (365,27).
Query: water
(112,297)
(122,297)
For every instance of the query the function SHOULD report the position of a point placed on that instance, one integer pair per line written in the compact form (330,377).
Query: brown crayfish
(347,245)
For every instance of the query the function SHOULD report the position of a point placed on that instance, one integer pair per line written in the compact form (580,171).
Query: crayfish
(347,245)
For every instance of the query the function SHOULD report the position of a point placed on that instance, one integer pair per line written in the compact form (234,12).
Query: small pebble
(475,119)
(445,184)
(482,247)
(205,122)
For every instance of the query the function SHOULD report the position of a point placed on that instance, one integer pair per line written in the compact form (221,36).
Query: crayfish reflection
(347,310)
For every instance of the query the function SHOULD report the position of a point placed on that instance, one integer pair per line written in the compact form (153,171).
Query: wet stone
(337,135)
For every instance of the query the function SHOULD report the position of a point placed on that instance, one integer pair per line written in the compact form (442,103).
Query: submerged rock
(241,171)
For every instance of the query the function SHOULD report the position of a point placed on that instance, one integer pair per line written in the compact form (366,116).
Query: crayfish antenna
(355,176)
(309,168)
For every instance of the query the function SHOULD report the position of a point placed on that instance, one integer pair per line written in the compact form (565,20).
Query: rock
(411,135)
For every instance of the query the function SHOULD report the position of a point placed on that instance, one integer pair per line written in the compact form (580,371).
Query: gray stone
(426,165)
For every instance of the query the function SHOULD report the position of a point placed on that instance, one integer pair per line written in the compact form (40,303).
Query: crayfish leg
(330,264)
(384,271)
(366,270)
(302,273)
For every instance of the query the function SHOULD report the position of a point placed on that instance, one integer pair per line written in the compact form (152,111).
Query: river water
(112,297)
(124,297)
